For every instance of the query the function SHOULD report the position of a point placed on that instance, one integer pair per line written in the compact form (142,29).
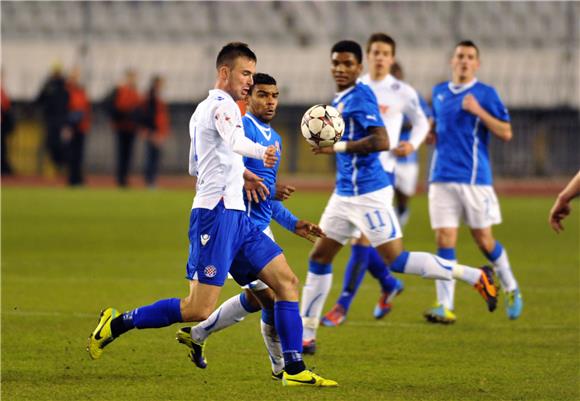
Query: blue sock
(447,253)
(246,304)
(268,317)
(380,271)
(319,268)
(495,253)
(355,272)
(160,314)
(289,327)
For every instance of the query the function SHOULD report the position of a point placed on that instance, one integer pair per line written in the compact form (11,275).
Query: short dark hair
(230,52)
(468,43)
(262,79)
(381,37)
(348,46)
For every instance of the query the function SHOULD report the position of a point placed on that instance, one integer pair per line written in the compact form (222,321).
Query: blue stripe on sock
(447,253)
(399,264)
(246,304)
(319,268)
(495,253)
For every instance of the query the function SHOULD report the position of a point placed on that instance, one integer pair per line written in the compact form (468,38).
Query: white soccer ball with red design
(322,125)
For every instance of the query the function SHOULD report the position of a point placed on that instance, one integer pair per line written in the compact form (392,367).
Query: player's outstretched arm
(561,208)
(376,141)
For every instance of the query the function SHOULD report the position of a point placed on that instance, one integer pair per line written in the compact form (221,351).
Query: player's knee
(194,313)
(319,256)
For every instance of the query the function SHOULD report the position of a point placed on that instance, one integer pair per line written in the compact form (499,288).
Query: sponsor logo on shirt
(441,97)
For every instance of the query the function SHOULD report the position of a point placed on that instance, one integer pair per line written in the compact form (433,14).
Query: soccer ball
(322,125)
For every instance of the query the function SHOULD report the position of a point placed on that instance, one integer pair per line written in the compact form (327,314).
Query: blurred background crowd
(107,87)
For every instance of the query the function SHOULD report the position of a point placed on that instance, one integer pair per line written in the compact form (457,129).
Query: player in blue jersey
(220,231)
(262,103)
(358,204)
(407,167)
(467,114)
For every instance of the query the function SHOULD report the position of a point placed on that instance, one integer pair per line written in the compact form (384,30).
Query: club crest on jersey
(204,239)
(210,271)
(340,107)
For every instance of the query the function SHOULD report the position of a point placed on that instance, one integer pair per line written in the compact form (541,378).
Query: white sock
(446,291)
(228,314)
(428,265)
(314,295)
(504,272)
(431,266)
(273,346)
(470,275)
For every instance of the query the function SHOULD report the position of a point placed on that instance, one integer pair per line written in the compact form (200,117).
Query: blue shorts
(224,240)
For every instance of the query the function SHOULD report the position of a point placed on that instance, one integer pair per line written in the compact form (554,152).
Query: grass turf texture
(68,253)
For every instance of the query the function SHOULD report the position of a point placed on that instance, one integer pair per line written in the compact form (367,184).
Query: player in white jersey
(360,202)
(262,104)
(467,114)
(407,168)
(396,100)
(220,232)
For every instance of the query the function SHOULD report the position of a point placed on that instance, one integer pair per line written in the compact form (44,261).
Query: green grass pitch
(68,253)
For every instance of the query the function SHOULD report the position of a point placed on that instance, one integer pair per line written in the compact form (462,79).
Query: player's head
(236,63)
(381,54)
(263,97)
(346,58)
(397,71)
(465,61)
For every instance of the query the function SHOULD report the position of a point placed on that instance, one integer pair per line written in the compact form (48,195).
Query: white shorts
(406,175)
(477,205)
(371,214)
(259,285)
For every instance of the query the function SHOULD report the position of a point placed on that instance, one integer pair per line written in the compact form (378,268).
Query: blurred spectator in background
(7,128)
(156,127)
(53,99)
(78,125)
(123,104)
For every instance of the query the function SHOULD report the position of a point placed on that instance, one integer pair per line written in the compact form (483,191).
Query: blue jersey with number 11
(358,174)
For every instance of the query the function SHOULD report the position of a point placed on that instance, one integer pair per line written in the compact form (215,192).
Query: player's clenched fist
(270,158)
(471,104)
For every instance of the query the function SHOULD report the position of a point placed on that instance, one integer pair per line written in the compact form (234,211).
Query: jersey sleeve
(495,107)
(228,123)
(419,123)
(283,216)
(425,107)
(366,111)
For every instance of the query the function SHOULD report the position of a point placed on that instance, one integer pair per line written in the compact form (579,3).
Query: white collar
(221,93)
(340,95)
(455,89)
(264,128)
